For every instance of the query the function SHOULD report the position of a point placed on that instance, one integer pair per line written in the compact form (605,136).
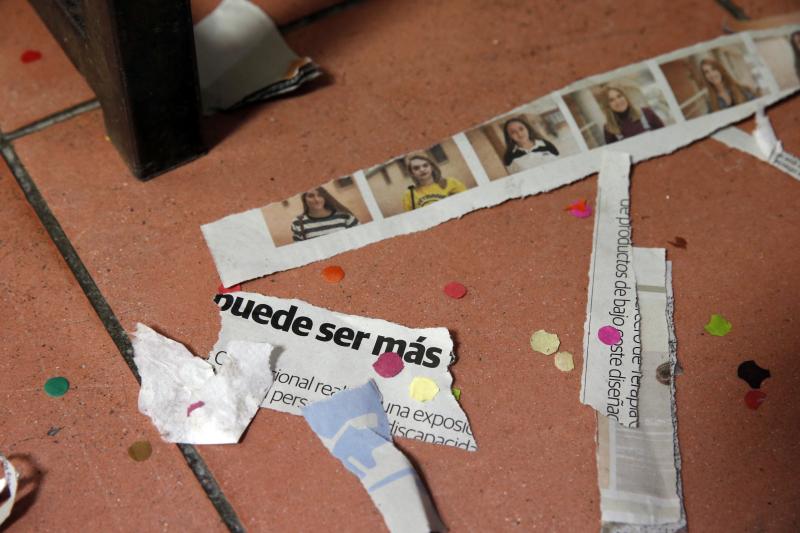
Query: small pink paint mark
(195,405)
(388,365)
(609,335)
(455,290)
(754,399)
(223,290)
(29,56)
(579,209)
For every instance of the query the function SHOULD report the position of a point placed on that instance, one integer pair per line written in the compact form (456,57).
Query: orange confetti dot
(333,274)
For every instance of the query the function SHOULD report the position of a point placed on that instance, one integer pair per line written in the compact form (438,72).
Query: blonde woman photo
(623,118)
(429,184)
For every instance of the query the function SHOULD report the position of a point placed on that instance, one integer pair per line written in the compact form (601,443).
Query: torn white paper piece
(353,427)
(242,57)
(647,109)
(611,346)
(320,352)
(762,144)
(8,481)
(638,468)
(187,400)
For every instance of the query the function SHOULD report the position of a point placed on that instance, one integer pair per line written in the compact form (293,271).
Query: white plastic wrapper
(187,400)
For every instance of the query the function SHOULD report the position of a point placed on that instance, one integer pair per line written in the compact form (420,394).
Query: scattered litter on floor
(141,450)
(580,209)
(8,483)
(455,290)
(353,426)
(56,387)
(333,274)
(29,56)
(753,374)
(319,352)
(173,378)
(544,342)
(678,242)
(53,431)
(423,389)
(718,326)
(564,361)
(609,335)
(388,365)
(754,398)
(244,245)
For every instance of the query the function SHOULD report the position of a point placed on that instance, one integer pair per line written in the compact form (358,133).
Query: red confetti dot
(455,290)
(333,274)
(223,290)
(754,399)
(193,406)
(388,365)
(29,56)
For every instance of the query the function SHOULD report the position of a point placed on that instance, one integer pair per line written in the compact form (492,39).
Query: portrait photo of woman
(714,80)
(418,179)
(316,212)
(623,118)
(429,184)
(322,215)
(723,90)
(620,107)
(524,148)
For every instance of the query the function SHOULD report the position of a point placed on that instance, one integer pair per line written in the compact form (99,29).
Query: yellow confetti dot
(423,389)
(544,342)
(563,361)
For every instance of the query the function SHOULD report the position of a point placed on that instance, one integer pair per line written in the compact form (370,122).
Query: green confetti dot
(718,326)
(56,387)
(457,394)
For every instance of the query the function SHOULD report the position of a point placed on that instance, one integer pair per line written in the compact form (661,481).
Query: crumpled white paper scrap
(9,480)
(354,428)
(187,401)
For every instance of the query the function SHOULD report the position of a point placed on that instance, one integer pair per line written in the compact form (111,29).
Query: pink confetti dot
(455,290)
(609,335)
(223,290)
(388,365)
(193,406)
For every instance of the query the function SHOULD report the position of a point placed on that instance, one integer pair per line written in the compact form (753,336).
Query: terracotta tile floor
(402,75)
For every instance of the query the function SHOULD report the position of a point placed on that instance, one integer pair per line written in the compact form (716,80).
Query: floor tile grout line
(111,323)
(50,120)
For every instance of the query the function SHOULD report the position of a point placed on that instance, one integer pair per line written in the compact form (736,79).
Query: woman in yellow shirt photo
(429,184)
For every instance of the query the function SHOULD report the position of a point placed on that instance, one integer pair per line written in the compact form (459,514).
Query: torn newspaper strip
(242,58)
(8,485)
(763,144)
(319,352)
(639,468)
(187,400)
(353,427)
(611,346)
(646,109)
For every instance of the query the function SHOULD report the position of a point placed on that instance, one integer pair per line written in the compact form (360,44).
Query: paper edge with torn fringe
(173,379)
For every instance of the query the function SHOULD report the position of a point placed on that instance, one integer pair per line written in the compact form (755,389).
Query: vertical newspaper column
(612,355)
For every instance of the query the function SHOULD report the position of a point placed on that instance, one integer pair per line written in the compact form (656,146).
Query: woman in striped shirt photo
(322,215)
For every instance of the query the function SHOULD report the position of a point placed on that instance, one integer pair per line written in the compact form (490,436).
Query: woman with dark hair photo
(429,184)
(524,148)
(322,214)
(623,118)
(723,90)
